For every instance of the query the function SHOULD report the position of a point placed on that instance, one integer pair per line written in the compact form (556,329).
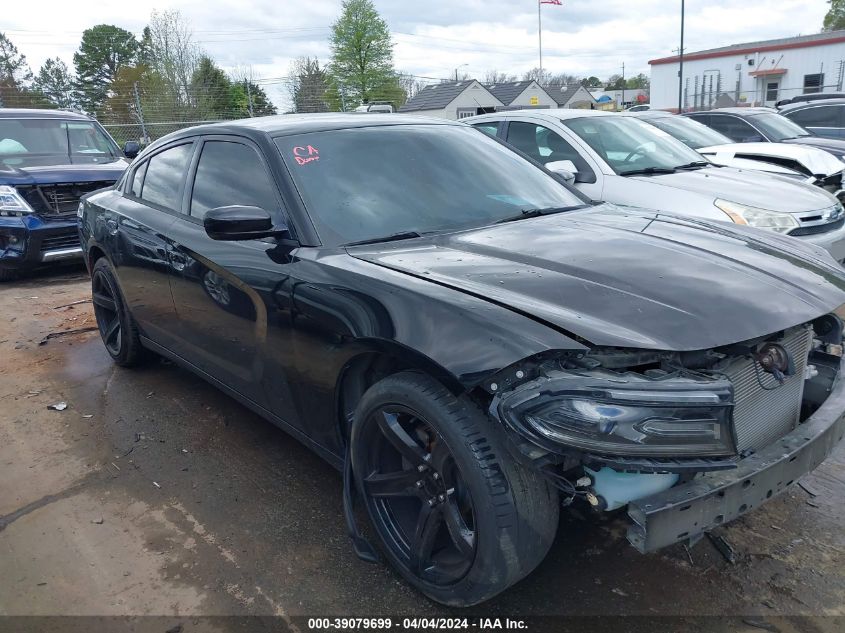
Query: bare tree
(495,77)
(173,54)
(410,84)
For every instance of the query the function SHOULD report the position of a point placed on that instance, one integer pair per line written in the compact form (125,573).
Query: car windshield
(631,146)
(691,133)
(53,142)
(372,182)
(776,127)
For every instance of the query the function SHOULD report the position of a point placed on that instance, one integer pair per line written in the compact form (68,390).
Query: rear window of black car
(365,183)
(165,176)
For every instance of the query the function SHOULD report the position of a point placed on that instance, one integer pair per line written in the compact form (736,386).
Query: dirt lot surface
(152,493)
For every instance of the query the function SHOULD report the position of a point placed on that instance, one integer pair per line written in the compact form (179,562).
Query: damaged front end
(687,440)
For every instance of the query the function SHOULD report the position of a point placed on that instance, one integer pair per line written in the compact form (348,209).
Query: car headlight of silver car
(661,418)
(756,217)
(12,203)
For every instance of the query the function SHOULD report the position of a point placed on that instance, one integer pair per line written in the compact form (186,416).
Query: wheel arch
(375,361)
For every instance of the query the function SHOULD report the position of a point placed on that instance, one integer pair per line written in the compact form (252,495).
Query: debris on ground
(723,547)
(174,629)
(155,483)
(72,303)
(619,592)
(88,416)
(34,392)
(808,488)
(78,330)
(59,406)
(760,624)
(98,520)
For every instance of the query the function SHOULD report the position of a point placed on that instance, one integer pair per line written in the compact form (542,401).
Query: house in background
(452,100)
(461,99)
(518,95)
(573,96)
(754,73)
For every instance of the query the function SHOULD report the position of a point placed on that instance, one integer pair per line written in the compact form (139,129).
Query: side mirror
(241,223)
(566,169)
(131,149)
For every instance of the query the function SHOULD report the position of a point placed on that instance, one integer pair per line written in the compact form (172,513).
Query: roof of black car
(286,124)
(800,105)
(32,113)
(737,110)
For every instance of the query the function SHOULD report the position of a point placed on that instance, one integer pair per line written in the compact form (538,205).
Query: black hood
(631,278)
(832,145)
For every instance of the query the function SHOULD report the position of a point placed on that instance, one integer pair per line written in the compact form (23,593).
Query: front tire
(114,321)
(455,513)
(8,274)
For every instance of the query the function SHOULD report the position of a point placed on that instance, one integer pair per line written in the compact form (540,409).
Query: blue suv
(49,159)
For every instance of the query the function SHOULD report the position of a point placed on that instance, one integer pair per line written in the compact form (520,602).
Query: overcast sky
(431,37)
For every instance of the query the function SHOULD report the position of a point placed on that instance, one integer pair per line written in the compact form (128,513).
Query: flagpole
(540,34)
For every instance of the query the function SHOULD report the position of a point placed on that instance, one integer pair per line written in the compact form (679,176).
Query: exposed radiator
(763,415)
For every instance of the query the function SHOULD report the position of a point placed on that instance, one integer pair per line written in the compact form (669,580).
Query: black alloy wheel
(116,325)
(417,496)
(455,512)
(107,311)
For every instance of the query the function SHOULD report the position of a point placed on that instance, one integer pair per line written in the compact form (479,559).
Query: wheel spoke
(112,329)
(461,535)
(104,301)
(425,533)
(399,438)
(397,484)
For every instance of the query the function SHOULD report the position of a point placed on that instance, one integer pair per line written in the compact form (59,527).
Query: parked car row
(475,340)
(622,159)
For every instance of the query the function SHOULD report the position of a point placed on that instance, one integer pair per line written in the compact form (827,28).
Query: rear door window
(231,173)
(491,128)
(735,129)
(817,116)
(165,177)
(138,180)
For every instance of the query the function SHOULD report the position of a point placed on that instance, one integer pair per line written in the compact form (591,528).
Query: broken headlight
(624,414)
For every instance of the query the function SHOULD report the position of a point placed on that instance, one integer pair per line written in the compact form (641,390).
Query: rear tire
(118,328)
(455,512)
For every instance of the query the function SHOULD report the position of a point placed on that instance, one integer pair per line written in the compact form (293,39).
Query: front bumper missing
(687,511)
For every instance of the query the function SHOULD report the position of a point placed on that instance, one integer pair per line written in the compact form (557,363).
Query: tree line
(163,75)
(119,76)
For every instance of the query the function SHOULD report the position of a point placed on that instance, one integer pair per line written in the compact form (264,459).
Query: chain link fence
(149,132)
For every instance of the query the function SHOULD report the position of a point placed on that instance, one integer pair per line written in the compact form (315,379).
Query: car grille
(59,199)
(56,242)
(819,228)
(765,410)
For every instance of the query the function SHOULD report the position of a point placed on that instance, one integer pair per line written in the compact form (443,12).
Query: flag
(556,2)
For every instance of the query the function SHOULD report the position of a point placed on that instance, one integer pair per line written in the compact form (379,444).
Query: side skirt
(335,460)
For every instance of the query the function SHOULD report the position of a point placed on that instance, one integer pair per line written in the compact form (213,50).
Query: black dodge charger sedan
(470,341)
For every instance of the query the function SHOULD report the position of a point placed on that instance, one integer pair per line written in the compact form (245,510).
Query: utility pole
(144,138)
(681,65)
(623,85)
(540,35)
(249,97)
